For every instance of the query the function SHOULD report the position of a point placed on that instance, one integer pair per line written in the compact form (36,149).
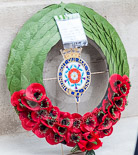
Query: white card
(71,30)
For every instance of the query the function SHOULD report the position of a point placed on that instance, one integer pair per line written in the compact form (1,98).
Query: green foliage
(75,149)
(90,152)
(40,33)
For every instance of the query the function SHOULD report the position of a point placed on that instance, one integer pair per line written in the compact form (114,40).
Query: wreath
(28,95)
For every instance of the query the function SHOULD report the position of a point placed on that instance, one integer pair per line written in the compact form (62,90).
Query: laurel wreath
(40,33)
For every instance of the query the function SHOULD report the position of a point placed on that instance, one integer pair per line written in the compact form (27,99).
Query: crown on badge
(71,53)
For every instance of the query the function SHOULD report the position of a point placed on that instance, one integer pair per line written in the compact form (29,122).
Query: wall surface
(122,14)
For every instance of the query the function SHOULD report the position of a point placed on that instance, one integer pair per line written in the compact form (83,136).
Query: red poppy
(120,103)
(112,95)
(86,145)
(16,100)
(98,112)
(40,130)
(65,119)
(26,120)
(60,130)
(50,117)
(105,105)
(54,113)
(124,89)
(30,104)
(115,80)
(35,92)
(53,138)
(77,120)
(106,123)
(114,113)
(46,103)
(49,122)
(90,136)
(93,145)
(38,115)
(106,132)
(114,121)
(120,84)
(82,145)
(89,122)
(73,138)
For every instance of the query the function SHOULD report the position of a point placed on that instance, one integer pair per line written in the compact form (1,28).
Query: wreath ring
(25,81)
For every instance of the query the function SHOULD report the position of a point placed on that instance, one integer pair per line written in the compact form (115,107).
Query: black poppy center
(124,89)
(117,83)
(106,121)
(57,136)
(100,116)
(37,95)
(116,95)
(90,122)
(62,130)
(51,122)
(89,136)
(118,102)
(44,104)
(42,127)
(65,122)
(74,137)
(52,113)
(76,123)
(106,131)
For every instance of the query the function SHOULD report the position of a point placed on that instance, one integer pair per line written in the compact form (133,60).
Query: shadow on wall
(136,150)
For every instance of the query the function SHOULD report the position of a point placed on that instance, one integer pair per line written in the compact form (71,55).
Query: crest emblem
(74,75)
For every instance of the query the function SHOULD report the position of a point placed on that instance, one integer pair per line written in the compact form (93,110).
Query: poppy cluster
(37,114)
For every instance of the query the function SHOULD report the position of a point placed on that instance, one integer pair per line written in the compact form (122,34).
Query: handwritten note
(71,30)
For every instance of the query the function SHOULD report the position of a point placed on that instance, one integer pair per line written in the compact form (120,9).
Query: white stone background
(122,14)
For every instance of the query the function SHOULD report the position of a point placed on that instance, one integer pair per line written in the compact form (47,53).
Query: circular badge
(74,76)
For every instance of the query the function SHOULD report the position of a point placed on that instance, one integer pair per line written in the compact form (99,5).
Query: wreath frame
(36,38)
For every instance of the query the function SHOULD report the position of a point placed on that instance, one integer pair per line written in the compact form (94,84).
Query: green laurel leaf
(75,149)
(90,152)
(40,33)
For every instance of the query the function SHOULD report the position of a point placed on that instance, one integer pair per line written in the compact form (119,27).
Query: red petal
(34,88)
(103,133)
(16,96)
(105,105)
(76,115)
(39,132)
(113,79)
(53,138)
(93,146)
(46,103)
(89,136)
(106,124)
(120,103)
(60,130)
(125,78)
(77,120)
(89,121)
(35,116)
(82,145)
(125,86)
(33,105)
(73,138)
(116,113)
(66,119)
